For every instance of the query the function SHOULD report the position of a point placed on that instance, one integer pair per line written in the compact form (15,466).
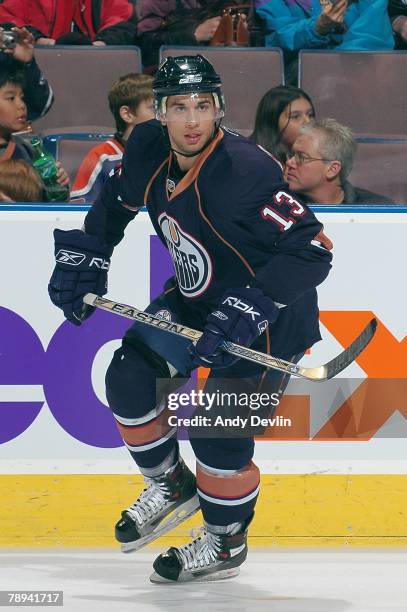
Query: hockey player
(247,261)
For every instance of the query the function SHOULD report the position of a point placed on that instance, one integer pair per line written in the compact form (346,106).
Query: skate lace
(151,501)
(201,552)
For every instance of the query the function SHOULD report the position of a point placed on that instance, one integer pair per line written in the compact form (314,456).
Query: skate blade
(178,515)
(222,575)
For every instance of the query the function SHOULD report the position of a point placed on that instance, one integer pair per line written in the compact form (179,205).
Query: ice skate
(210,557)
(165,502)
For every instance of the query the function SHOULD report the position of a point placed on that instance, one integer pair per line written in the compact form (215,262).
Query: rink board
(293,510)
(65,475)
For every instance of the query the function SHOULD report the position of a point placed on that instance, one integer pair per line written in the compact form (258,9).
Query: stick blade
(344,359)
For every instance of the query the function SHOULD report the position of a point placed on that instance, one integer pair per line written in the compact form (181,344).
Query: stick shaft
(135,314)
(315,374)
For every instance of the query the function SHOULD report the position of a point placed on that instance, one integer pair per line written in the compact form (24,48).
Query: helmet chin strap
(192,154)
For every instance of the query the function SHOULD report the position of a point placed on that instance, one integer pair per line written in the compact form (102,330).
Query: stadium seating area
(381,166)
(363,90)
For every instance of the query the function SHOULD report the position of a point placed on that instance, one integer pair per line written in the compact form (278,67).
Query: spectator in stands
(37,92)
(97,22)
(131,102)
(13,116)
(183,22)
(320,162)
(19,182)
(345,25)
(398,16)
(281,112)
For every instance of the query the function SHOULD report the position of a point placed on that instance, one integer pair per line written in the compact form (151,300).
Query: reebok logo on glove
(246,308)
(100,263)
(71,258)
(244,314)
(78,272)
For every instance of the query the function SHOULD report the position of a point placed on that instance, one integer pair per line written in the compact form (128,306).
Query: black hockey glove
(82,262)
(242,316)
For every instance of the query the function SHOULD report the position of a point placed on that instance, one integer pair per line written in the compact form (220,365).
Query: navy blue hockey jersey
(228,222)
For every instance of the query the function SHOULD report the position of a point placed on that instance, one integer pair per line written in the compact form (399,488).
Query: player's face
(190,121)
(293,117)
(13,111)
(306,170)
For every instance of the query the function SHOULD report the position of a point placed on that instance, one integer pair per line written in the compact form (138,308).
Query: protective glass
(191,108)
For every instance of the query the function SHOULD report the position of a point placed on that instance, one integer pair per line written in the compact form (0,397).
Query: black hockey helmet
(187,74)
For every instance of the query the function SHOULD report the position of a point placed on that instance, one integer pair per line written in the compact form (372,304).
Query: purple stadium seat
(81,78)
(381,166)
(247,73)
(365,90)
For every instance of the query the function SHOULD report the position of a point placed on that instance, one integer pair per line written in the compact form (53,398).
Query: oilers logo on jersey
(192,263)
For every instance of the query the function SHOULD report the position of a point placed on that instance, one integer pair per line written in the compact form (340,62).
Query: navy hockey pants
(227,479)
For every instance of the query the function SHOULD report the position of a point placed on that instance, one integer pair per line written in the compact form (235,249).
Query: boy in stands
(13,118)
(131,102)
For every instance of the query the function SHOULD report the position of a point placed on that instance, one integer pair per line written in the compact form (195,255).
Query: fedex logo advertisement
(62,366)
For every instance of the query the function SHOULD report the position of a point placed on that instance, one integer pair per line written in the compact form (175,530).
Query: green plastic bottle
(47,169)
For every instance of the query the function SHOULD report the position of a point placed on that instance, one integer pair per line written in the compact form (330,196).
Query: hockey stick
(316,374)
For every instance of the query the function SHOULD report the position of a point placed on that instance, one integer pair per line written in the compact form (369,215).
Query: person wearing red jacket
(97,22)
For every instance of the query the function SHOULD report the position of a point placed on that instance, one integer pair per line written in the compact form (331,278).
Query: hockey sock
(166,466)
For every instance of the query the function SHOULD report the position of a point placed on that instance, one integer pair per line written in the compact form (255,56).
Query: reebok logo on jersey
(170,185)
(192,263)
(237,303)
(69,258)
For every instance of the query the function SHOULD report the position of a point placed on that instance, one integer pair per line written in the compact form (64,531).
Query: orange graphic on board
(376,399)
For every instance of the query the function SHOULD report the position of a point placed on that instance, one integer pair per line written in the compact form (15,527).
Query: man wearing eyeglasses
(320,163)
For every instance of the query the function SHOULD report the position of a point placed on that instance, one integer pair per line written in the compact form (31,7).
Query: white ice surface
(286,581)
